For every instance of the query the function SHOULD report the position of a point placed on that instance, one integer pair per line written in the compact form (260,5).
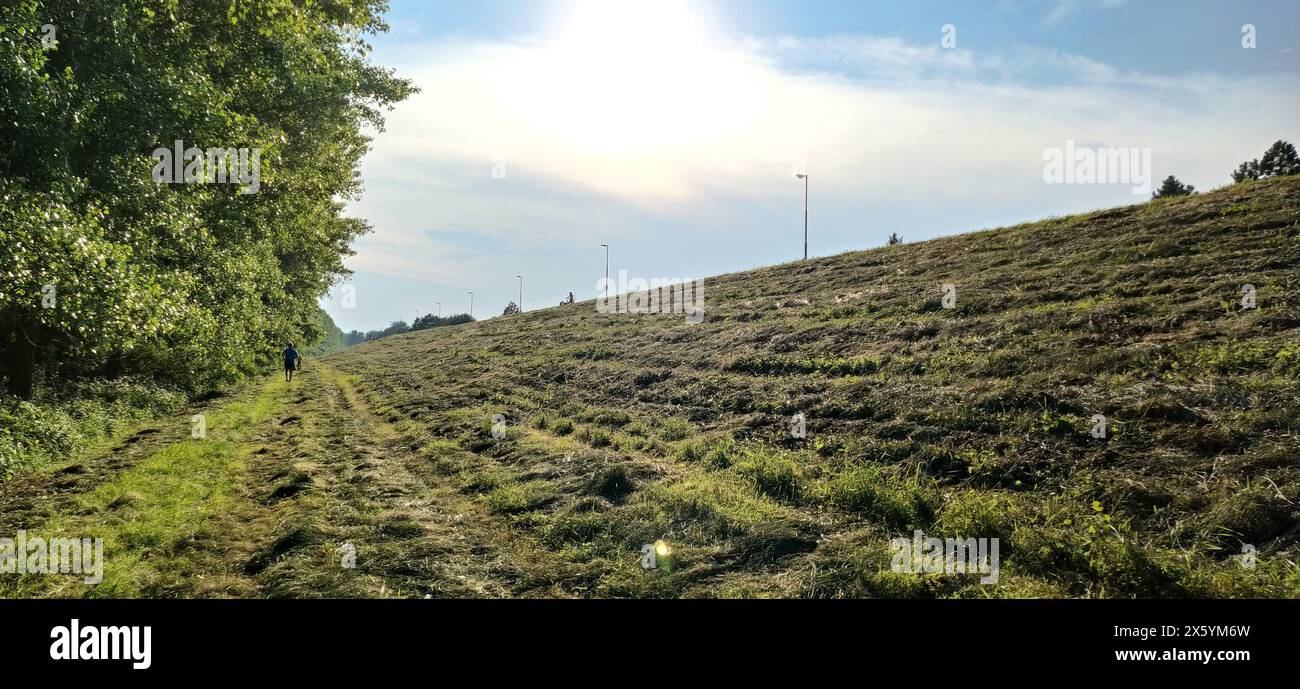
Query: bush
(60,423)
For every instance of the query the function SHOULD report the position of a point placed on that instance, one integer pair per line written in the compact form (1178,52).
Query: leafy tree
(1279,160)
(431,321)
(895,238)
(1173,187)
(196,284)
(331,338)
(510,308)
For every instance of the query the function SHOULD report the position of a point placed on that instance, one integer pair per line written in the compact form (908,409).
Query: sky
(673,130)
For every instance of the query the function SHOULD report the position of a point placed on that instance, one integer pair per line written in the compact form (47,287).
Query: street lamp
(521,293)
(606,271)
(471,304)
(804,176)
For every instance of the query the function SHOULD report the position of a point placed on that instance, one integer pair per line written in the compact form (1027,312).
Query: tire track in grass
(149,506)
(414,535)
(262,506)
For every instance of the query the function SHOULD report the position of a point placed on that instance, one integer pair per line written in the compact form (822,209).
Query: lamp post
(804,176)
(471,304)
(606,271)
(521,293)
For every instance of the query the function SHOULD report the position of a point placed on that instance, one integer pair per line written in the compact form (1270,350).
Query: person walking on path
(291,362)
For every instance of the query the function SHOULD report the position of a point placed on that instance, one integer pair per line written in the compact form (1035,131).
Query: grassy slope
(967,422)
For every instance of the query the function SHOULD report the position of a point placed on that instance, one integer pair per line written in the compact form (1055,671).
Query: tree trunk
(22,360)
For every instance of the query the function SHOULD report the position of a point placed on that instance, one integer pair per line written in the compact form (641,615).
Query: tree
(1279,160)
(895,238)
(1172,187)
(196,283)
(1245,171)
(510,308)
(431,321)
(330,338)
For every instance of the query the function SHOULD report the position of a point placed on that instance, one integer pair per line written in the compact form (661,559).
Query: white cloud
(1064,8)
(614,141)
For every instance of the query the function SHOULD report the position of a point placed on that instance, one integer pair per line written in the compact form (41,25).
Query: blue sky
(672,129)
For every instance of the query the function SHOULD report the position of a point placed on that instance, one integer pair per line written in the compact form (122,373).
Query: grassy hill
(973,421)
(965,422)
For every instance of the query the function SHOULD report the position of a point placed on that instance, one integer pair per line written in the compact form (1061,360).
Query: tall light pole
(471,304)
(606,271)
(521,293)
(804,176)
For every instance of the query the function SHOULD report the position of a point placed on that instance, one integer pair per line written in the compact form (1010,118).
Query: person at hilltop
(291,362)
(570,297)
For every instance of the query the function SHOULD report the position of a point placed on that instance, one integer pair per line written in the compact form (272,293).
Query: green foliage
(51,428)
(194,284)
(1173,187)
(356,337)
(1279,160)
(330,338)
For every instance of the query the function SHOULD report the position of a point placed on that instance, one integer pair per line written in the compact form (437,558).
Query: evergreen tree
(1172,187)
(1280,160)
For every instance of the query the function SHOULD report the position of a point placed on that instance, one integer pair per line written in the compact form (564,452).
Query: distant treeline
(398,327)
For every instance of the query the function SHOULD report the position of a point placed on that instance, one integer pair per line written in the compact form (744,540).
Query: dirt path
(296,490)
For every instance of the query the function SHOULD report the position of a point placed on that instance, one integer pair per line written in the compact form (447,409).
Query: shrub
(60,423)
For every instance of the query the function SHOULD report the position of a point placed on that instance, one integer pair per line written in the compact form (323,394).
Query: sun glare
(624,77)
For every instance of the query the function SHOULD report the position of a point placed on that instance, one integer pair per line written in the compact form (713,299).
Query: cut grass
(972,422)
(157,504)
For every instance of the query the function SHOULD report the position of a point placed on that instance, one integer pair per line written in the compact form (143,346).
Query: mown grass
(971,422)
(146,513)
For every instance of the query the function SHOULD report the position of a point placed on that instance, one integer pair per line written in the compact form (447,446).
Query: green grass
(970,422)
(158,503)
(966,422)
(59,423)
